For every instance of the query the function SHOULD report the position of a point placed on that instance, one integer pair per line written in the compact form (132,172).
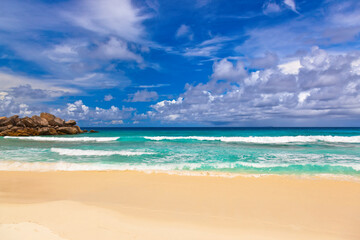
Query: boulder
(93,131)
(22,132)
(3,128)
(20,124)
(28,122)
(84,131)
(39,121)
(57,122)
(45,124)
(52,131)
(16,128)
(47,131)
(78,129)
(67,130)
(44,131)
(4,133)
(13,120)
(2,120)
(70,123)
(49,117)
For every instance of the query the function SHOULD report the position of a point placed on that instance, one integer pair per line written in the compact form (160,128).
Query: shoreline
(131,204)
(17,166)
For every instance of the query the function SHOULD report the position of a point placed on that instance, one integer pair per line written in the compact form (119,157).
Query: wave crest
(266,140)
(80,152)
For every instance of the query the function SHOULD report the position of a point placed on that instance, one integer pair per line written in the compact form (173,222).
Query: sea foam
(171,169)
(66,139)
(81,152)
(266,140)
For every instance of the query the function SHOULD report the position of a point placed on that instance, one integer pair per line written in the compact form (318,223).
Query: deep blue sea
(236,150)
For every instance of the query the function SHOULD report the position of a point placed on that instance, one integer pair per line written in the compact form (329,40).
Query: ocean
(220,150)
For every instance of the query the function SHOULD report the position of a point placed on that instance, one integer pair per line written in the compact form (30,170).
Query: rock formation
(45,124)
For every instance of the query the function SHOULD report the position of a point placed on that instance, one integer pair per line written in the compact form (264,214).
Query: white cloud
(207,51)
(319,87)
(355,66)
(63,53)
(108,98)
(79,52)
(226,70)
(143,96)
(112,17)
(303,96)
(117,122)
(10,80)
(216,40)
(207,48)
(271,8)
(115,49)
(2,95)
(267,61)
(9,106)
(184,31)
(76,110)
(291,67)
(154,85)
(87,35)
(99,81)
(79,111)
(291,4)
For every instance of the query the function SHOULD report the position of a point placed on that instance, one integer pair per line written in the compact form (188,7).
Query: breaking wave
(266,140)
(69,166)
(80,152)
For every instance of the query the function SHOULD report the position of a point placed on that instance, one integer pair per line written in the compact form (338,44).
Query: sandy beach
(135,205)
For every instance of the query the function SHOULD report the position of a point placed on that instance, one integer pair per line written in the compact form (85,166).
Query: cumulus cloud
(108,98)
(27,92)
(269,60)
(117,122)
(325,87)
(79,111)
(9,106)
(226,70)
(143,96)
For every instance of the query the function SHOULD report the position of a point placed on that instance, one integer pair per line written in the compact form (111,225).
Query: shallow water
(240,150)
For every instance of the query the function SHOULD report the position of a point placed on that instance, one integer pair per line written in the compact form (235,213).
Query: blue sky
(182,63)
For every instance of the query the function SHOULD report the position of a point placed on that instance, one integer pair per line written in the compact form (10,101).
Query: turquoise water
(240,150)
